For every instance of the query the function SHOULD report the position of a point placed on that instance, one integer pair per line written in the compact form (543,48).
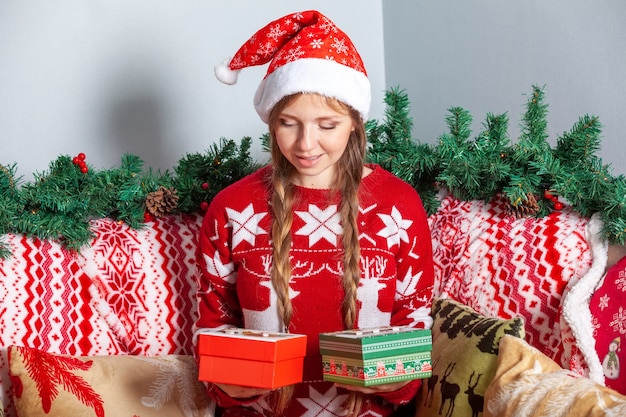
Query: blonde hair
(348,177)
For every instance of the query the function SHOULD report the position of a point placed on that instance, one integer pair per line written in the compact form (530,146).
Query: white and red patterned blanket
(132,291)
(505,267)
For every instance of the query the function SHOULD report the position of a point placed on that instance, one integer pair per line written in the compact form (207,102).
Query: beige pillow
(56,385)
(464,357)
(528,383)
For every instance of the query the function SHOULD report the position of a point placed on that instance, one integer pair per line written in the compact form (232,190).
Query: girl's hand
(375,389)
(241,392)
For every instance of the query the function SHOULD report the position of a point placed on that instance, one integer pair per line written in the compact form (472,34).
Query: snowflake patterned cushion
(47,384)
(609,323)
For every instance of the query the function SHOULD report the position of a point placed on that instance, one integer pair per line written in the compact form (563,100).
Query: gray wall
(485,55)
(106,77)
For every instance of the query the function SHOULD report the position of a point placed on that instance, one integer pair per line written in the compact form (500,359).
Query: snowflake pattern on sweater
(396,285)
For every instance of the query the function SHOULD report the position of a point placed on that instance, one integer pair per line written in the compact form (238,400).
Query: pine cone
(161,202)
(526,208)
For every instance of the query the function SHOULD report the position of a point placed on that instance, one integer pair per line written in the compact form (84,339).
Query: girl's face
(312,136)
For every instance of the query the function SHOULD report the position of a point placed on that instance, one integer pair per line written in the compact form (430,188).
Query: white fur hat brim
(314,75)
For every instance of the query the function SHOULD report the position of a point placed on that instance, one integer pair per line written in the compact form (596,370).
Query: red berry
(558,205)
(81,156)
(84,169)
(147,217)
(205,185)
(204,206)
(548,195)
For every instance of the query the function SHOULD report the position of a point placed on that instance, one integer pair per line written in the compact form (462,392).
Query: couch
(107,330)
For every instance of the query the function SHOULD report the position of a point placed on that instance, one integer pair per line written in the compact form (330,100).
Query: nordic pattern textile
(506,267)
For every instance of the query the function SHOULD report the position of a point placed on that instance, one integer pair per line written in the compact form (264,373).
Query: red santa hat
(307,53)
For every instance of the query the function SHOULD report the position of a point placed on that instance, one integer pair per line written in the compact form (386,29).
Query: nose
(306,138)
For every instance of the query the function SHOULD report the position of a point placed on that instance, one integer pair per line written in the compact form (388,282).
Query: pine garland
(535,178)
(60,203)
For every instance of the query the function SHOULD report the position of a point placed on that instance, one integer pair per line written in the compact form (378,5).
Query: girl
(317,241)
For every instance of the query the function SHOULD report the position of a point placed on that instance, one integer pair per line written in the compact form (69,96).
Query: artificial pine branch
(459,121)
(534,125)
(474,169)
(613,212)
(529,154)
(585,181)
(391,146)
(199,177)
(9,204)
(56,204)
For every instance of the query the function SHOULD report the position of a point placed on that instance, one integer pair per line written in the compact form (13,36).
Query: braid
(282,203)
(352,273)
(351,276)
(349,176)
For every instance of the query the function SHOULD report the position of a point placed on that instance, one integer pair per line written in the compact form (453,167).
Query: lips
(308,161)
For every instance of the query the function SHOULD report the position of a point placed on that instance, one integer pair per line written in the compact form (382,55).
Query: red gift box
(251,358)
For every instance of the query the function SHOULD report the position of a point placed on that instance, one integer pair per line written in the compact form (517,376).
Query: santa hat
(307,54)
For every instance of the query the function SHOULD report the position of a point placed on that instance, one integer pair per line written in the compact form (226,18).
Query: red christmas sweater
(396,285)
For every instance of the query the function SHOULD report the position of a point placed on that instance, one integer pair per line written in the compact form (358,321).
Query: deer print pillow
(47,384)
(528,383)
(464,357)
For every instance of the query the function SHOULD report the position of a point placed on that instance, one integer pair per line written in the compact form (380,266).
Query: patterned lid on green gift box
(375,342)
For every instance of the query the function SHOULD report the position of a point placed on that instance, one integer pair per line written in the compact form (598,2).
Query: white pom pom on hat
(307,53)
(225,74)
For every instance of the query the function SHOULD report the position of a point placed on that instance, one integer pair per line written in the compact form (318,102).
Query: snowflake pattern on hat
(307,53)
(308,34)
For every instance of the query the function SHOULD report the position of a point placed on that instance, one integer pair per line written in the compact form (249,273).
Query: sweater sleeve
(415,281)
(216,290)
(415,270)
(218,305)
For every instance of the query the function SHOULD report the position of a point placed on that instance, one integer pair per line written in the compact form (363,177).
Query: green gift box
(376,356)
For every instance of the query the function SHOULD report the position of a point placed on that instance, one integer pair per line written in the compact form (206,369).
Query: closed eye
(287,123)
